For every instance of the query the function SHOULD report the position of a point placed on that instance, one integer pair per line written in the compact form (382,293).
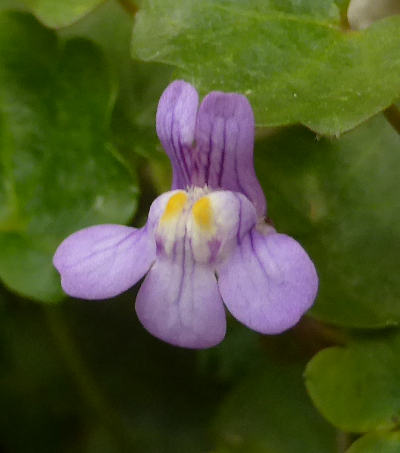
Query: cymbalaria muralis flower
(205,242)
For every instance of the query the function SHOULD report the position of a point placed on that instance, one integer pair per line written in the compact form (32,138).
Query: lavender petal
(269,282)
(176,119)
(104,260)
(179,303)
(223,157)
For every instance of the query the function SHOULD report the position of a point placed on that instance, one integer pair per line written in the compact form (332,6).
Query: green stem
(392,114)
(86,384)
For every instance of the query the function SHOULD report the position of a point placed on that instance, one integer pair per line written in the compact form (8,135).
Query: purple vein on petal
(254,250)
(179,295)
(222,159)
(209,152)
(178,156)
(92,268)
(98,252)
(175,124)
(224,137)
(239,227)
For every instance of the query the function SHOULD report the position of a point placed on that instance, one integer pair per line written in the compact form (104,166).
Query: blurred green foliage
(59,170)
(276,415)
(78,146)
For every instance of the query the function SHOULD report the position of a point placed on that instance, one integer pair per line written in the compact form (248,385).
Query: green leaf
(339,198)
(377,443)
(269,412)
(140,84)
(292,59)
(57,14)
(357,387)
(58,171)
(10,4)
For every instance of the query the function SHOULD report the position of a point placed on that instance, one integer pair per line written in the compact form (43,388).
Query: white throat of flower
(203,220)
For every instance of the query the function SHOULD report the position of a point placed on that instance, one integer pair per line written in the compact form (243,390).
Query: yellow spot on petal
(202,213)
(175,206)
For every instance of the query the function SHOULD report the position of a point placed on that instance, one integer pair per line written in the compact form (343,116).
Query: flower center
(204,223)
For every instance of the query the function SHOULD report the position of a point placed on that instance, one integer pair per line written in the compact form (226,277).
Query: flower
(205,242)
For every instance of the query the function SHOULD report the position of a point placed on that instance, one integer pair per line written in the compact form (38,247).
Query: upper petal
(104,260)
(176,120)
(224,140)
(269,282)
(179,303)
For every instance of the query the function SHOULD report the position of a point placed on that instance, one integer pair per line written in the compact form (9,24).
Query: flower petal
(104,260)
(179,303)
(224,147)
(176,120)
(269,282)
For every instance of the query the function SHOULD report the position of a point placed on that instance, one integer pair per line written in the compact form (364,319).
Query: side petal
(176,120)
(269,282)
(179,303)
(224,140)
(104,260)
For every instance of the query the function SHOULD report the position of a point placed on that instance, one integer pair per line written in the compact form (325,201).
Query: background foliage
(79,86)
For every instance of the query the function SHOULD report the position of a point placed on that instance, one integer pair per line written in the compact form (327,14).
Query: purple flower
(205,242)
